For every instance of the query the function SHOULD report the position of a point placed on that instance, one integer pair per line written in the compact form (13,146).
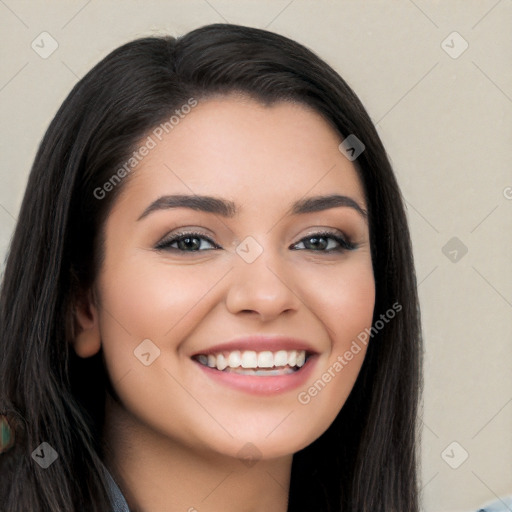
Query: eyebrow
(229,209)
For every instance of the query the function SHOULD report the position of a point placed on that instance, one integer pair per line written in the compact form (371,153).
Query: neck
(157,473)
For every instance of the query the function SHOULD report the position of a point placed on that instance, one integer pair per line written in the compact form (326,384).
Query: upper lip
(258,344)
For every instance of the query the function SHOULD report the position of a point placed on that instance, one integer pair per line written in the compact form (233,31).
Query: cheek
(149,298)
(352,309)
(348,315)
(344,302)
(344,299)
(142,299)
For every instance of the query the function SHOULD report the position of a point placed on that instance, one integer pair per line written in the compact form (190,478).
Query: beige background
(447,125)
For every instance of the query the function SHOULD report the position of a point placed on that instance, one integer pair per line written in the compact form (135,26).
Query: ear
(87,340)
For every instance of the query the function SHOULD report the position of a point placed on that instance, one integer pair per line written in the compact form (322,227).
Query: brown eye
(318,242)
(186,242)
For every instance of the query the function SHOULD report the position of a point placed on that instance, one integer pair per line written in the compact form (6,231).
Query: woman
(209,301)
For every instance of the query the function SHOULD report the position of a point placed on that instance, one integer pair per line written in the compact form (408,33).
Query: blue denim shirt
(502,505)
(116,496)
(119,503)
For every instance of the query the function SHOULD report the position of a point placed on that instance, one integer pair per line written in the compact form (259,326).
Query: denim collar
(500,505)
(117,500)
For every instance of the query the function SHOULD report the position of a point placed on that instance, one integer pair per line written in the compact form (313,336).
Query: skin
(175,438)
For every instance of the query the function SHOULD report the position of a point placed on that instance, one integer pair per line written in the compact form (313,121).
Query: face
(269,285)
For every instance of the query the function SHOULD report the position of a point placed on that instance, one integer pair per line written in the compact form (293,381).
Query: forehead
(236,147)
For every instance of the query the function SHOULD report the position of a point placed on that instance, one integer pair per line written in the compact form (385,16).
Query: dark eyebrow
(319,203)
(207,204)
(229,209)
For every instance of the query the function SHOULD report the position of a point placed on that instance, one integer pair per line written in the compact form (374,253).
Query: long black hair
(367,458)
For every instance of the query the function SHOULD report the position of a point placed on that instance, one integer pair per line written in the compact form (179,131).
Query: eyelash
(344,244)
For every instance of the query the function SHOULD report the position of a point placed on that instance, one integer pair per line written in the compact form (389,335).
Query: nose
(263,288)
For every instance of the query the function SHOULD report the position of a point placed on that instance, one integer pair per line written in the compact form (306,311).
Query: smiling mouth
(249,362)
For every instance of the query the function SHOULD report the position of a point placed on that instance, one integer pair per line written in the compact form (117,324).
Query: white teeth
(281,358)
(221,362)
(249,359)
(234,359)
(266,359)
(252,360)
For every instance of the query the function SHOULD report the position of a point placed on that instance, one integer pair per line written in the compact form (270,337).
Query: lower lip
(262,385)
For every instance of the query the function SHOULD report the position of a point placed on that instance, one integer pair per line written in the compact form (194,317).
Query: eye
(187,242)
(318,242)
